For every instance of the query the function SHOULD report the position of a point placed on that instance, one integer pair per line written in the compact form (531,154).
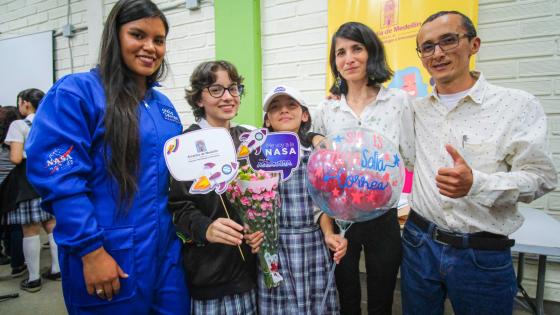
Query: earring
(338,82)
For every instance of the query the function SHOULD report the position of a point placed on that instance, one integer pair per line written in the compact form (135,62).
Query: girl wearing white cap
(304,258)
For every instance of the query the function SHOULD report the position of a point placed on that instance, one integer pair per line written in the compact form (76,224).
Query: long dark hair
(203,76)
(123,95)
(378,70)
(7,115)
(33,96)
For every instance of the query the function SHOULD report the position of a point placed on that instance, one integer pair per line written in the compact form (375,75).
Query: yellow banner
(397,22)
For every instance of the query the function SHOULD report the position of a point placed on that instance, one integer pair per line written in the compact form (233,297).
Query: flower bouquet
(254,194)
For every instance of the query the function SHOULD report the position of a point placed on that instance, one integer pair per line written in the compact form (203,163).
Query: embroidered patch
(60,159)
(168,113)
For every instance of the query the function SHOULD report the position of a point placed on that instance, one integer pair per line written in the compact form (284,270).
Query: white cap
(282,90)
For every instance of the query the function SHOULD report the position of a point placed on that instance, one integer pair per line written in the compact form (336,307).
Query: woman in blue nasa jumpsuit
(96,158)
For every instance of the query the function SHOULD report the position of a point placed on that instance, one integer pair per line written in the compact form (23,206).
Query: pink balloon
(355,175)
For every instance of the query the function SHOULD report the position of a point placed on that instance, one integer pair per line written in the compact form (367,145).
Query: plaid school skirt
(28,212)
(235,304)
(305,265)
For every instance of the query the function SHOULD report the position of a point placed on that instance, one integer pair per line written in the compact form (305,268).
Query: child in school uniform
(304,258)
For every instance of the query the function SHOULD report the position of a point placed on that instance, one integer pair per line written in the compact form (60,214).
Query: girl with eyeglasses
(219,280)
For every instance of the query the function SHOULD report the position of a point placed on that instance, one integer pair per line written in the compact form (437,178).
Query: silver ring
(99,291)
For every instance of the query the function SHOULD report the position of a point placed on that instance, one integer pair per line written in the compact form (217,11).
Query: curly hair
(202,77)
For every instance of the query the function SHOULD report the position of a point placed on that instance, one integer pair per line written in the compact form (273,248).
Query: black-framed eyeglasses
(217,91)
(447,42)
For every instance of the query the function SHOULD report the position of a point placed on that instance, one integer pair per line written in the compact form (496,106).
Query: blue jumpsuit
(67,167)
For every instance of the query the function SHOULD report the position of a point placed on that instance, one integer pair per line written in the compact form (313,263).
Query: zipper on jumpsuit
(147,107)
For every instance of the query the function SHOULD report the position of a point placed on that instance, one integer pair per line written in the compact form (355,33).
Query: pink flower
(268,195)
(266,206)
(258,197)
(251,214)
(245,201)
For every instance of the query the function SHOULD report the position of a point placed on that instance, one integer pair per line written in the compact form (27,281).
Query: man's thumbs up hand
(456,181)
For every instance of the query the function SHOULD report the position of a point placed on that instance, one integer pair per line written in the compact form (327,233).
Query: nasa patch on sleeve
(169,113)
(60,159)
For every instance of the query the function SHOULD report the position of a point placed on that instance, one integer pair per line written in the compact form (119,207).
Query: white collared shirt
(18,131)
(203,123)
(501,134)
(389,114)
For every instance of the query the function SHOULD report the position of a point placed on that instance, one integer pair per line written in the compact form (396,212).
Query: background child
(304,258)
(29,212)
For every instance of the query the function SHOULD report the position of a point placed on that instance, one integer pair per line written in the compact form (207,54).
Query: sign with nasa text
(279,153)
(205,156)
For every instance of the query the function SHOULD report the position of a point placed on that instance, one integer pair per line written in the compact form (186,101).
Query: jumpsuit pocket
(119,243)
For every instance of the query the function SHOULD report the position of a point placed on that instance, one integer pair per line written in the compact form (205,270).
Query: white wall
(294,43)
(21,17)
(521,49)
(190,41)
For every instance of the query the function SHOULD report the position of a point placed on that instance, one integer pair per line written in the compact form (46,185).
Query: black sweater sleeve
(187,216)
(193,213)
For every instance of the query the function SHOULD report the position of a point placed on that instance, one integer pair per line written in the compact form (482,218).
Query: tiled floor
(49,300)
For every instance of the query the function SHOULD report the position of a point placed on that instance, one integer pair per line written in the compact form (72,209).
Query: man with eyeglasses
(480,149)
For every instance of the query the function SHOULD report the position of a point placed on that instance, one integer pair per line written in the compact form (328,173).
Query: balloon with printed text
(355,175)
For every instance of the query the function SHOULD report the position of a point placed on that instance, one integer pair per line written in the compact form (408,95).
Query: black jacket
(212,270)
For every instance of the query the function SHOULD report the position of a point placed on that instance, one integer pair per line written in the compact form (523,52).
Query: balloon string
(227,214)
(343,226)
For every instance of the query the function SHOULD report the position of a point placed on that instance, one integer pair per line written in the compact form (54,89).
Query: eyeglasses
(218,91)
(447,42)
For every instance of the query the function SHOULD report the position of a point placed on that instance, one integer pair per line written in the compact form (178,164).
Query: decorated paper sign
(251,142)
(279,153)
(205,156)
